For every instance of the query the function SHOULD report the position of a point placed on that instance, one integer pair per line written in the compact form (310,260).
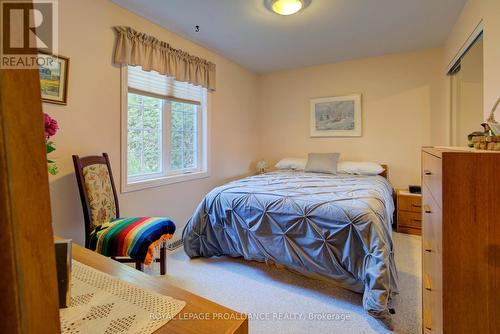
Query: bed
(336,227)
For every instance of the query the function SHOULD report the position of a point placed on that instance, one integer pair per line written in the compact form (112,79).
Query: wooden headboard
(385,172)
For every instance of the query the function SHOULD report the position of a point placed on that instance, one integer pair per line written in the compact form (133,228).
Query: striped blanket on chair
(135,237)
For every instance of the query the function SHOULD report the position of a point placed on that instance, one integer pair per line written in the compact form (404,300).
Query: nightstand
(409,212)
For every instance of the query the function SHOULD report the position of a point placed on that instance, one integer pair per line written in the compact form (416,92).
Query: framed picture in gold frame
(53,78)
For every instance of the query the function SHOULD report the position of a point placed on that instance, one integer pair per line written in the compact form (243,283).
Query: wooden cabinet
(460,241)
(409,208)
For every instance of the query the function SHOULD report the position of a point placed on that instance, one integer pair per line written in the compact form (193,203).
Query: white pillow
(322,163)
(292,163)
(359,168)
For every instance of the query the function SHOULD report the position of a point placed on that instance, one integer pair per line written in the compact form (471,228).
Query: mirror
(467,104)
(493,124)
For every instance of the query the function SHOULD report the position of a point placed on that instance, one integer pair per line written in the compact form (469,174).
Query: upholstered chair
(133,239)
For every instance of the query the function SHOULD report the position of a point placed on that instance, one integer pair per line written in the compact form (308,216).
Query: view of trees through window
(146,136)
(184,135)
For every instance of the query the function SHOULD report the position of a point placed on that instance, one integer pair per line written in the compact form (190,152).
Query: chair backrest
(97,191)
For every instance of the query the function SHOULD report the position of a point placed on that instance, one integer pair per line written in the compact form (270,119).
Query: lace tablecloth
(101,303)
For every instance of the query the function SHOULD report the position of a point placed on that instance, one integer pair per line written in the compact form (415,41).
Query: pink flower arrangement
(51,128)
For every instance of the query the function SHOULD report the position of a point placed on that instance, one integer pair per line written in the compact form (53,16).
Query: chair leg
(138,266)
(163,260)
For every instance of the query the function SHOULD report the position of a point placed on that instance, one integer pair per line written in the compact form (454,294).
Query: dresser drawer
(431,321)
(410,219)
(431,263)
(432,176)
(431,272)
(432,295)
(428,282)
(409,230)
(431,223)
(410,203)
(427,323)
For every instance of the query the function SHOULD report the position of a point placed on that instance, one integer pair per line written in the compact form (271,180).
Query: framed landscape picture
(338,116)
(54,78)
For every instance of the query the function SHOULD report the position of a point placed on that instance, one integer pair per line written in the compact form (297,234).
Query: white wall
(399,94)
(90,123)
(405,105)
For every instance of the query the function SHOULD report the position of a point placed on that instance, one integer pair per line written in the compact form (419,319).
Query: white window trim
(163,180)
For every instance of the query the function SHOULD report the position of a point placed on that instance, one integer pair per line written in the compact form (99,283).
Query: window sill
(162,181)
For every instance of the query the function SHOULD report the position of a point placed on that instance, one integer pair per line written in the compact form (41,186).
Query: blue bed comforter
(331,226)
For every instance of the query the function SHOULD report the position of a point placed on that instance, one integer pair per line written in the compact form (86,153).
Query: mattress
(336,227)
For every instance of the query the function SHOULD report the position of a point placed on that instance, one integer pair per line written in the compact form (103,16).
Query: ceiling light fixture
(286,7)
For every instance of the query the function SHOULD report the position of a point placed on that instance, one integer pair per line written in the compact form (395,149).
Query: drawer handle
(417,220)
(416,205)
(427,172)
(427,246)
(427,209)
(427,320)
(427,283)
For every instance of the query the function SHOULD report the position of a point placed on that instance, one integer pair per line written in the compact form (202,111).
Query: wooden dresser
(409,210)
(460,241)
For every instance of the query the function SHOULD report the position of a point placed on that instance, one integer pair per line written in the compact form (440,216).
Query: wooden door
(28,286)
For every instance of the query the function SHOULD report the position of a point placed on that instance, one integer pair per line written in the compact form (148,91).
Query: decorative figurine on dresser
(490,138)
(460,240)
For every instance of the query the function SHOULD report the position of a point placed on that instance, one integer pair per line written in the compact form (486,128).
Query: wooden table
(189,320)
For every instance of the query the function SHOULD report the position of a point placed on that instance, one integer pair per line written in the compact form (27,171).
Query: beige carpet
(288,299)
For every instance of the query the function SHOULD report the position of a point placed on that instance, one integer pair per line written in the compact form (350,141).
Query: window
(184,134)
(164,130)
(145,136)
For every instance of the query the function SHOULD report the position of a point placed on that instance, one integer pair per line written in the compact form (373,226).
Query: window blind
(157,85)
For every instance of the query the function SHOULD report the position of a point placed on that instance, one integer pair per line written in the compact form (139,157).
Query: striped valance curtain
(138,49)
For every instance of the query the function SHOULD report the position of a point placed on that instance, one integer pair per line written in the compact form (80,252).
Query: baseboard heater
(174,244)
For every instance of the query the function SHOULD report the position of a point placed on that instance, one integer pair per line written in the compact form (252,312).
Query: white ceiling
(327,31)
